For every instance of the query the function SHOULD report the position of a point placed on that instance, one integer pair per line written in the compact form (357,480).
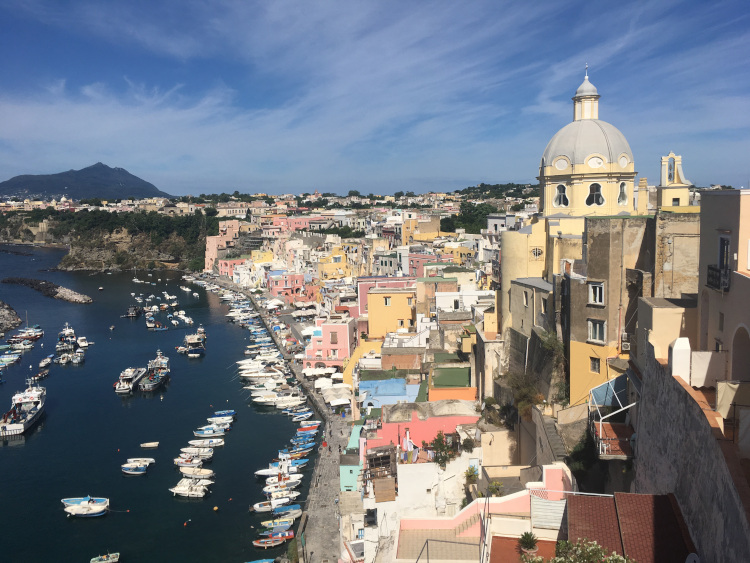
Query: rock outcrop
(9,319)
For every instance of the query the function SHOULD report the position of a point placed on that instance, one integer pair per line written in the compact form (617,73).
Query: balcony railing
(718,278)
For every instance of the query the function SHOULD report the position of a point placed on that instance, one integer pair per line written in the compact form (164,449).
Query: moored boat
(197,472)
(86,511)
(207,443)
(87,500)
(150,445)
(129,378)
(134,468)
(26,409)
(265,543)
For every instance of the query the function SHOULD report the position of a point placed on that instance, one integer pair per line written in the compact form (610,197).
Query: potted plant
(527,541)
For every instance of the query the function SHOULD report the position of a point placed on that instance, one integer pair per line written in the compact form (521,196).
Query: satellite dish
(693,558)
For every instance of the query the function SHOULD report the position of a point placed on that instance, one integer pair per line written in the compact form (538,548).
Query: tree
(353,193)
(411,194)
(211,211)
(398,195)
(441,449)
(580,551)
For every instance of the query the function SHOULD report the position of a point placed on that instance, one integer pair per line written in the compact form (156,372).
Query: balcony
(718,278)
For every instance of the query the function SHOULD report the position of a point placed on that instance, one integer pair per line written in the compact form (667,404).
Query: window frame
(559,195)
(592,193)
(592,291)
(592,331)
(595,361)
(622,201)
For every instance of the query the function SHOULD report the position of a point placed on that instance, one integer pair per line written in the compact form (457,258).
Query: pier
(317,534)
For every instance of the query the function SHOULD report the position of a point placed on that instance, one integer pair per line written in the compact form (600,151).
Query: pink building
(418,429)
(334,341)
(226,267)
(417,262)
(365,284)
(287,286)
(229,232)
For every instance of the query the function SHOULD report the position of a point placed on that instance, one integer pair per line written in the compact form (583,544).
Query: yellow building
(390,309)
(261,256)
(334,266)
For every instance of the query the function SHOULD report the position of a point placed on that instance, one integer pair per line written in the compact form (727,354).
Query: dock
(318,535)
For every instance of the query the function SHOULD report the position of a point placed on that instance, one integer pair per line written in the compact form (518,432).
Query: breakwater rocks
(51,290)
(9,319)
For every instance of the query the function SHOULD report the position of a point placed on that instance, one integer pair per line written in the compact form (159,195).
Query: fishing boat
(108,558)
(220,419)
(134,468)
(86,511)
(283,487)
(285,509)
(230,412)
(150,445)
(157,374)
(187,462)
(195,344)
(197,472)
(129,378)
(26,409)
(42,374)
(207,443)
(302,417)
(87,500)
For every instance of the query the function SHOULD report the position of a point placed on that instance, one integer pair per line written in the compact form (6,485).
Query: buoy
(118,449)
(230,500)
(185,524)
(216,508)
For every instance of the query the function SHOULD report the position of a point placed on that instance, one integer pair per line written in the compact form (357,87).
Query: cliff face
(123,251)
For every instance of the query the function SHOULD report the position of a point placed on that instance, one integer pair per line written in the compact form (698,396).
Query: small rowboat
(265,543)
(189,462)
(207,443)
(134,468)
(86,510)
(142,460)
(150,445)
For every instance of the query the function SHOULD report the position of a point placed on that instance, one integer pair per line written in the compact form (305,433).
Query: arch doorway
(741,355)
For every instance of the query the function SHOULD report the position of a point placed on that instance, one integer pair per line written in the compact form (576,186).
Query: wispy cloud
(379,96)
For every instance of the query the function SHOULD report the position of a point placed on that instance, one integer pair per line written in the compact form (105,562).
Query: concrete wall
(680,449)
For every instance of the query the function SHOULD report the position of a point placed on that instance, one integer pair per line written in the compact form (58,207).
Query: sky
(209,96)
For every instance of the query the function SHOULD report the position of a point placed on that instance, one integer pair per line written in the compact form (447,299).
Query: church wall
(676,254)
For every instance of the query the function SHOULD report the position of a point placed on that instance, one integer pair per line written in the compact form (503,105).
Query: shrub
(527,541)
(469,444)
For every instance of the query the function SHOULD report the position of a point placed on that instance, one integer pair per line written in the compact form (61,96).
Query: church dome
(586,88)
(580,139)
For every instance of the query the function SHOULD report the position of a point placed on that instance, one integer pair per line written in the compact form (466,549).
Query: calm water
(89,431)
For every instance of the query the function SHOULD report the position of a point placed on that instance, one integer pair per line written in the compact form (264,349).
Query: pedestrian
(329,448)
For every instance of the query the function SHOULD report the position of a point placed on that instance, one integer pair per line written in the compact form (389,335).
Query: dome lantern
(586,100)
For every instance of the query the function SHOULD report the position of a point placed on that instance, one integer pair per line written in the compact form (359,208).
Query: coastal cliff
(100,240)
(9,319)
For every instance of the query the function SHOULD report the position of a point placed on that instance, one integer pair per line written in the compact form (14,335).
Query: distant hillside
(98,180)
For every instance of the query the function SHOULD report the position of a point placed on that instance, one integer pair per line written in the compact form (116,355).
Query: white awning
(322,383)
(339,402)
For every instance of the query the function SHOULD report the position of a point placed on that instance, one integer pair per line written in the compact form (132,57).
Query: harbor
(93,434)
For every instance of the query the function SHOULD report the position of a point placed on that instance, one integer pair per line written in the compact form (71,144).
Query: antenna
(587,70)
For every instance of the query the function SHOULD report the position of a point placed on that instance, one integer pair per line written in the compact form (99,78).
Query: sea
(88,431)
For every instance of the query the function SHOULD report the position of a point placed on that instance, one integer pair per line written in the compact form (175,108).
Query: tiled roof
(652,528)
(595,519)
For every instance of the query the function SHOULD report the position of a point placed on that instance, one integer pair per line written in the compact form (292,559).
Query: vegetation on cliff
(100,239)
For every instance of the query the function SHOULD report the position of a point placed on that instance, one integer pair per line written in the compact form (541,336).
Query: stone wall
(680,449)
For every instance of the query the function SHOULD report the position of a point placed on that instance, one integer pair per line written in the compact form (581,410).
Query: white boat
(87,500)
(220,419)
(129,378)
(134,468)
(198,452)
(187,462)
(207,443)
(86,511)
(108,558)
(285,487)
(150,445)
(142,460)
(202,457)
(26,409)
(280,494)
(274,480)
(197,472)
(82,342)
(189,488)
(271,471)
(269,505)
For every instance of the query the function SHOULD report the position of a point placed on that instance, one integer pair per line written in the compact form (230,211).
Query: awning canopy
(339,402)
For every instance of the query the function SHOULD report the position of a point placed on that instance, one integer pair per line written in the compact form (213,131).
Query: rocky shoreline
(9,319)
(51,290)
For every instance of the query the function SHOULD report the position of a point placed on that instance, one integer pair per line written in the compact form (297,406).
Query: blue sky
(378,96)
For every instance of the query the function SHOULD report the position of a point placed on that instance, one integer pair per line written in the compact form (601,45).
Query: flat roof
(539,283)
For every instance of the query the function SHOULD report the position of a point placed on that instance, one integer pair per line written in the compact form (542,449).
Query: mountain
(98,180)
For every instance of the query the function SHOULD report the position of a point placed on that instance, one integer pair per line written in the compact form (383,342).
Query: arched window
(561,197)
(622,198)
(595,195)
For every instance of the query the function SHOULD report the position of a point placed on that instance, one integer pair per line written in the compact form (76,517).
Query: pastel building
(217,245)
(332,343)
(390,310)
(288,286)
